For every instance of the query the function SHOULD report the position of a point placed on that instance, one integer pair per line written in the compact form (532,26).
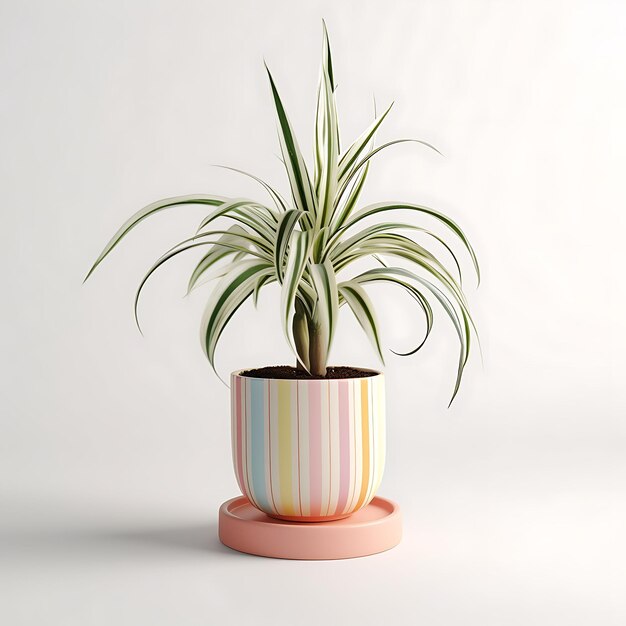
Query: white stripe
(379,421)
(326,460)
(371,420)
(351,405)
(334,446)
(293,416)
(305,473)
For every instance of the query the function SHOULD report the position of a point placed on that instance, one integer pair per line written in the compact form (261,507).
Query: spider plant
(308,242)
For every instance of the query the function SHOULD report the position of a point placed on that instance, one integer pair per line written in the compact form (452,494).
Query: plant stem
(301,337)
(317,351)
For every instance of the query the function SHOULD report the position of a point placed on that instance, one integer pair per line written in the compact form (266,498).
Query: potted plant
(309,440)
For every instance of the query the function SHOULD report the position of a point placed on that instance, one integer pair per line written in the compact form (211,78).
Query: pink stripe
(315,447)
(344,445)
(238,421)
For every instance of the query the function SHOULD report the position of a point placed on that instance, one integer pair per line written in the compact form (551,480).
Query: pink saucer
(375,528)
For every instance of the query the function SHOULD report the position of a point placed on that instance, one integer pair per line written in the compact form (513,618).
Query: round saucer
(375,528)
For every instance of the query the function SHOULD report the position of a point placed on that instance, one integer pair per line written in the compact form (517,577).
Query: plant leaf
(344,182)
(301,188)
(300,329)
(380,207)
(189,244)
(261,282)
(341,215)
(296,263)
(414,293)
(233,210)
(461,325)
(356,298)
(319,244)
(349,159)
(279,201)
(229,294)
(326,141)
(216,253)
(327,309)
(146,212)
(286,225)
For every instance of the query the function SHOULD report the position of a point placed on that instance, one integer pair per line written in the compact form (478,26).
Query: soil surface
(291,373)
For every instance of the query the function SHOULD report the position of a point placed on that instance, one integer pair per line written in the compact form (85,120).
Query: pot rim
(373,374)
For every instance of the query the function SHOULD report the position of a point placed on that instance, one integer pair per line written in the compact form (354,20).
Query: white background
(115,450)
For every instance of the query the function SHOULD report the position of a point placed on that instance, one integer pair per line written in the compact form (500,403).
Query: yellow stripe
(365,442)
(284,447)
(380,444)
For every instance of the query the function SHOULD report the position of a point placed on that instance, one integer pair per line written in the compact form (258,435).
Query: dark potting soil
(291,373)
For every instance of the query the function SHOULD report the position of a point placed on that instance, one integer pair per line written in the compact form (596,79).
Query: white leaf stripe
(146,212)
(231,209)
(363,310)
(228,296)
(462,329)
(341,215)
(349,158)
(344,182)
(380,207)
(261,282)
(216,253)
(176,251)
(414,293)
(296,263)
(326,286)
(286,225)
(276,197)
(327,149)
(294,163)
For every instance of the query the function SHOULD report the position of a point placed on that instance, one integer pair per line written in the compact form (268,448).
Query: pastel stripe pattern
(309,450)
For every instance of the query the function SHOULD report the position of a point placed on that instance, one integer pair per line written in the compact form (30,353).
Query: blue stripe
(257,427)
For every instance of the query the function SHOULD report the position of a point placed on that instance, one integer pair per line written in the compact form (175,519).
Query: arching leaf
(356,298)
(146,212)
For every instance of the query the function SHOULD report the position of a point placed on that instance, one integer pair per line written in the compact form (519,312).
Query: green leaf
(326,141)
(286,225)
(349,159)
(414,293)
(339,248)
(356,298)
(261,282)
(190,244)
(215,254)
(380,207)
(327,308)
(319,244)
(296,264)
(300,329)
(461,325)
(301,188)
(345,181)
(255,217)
(341,215)
(279,201)
(146,212)
(396,245)
(230,293)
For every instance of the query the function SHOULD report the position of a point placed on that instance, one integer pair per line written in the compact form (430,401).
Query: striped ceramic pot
(308,450)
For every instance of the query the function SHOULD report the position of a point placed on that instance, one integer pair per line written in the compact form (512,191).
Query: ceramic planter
(308,450)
